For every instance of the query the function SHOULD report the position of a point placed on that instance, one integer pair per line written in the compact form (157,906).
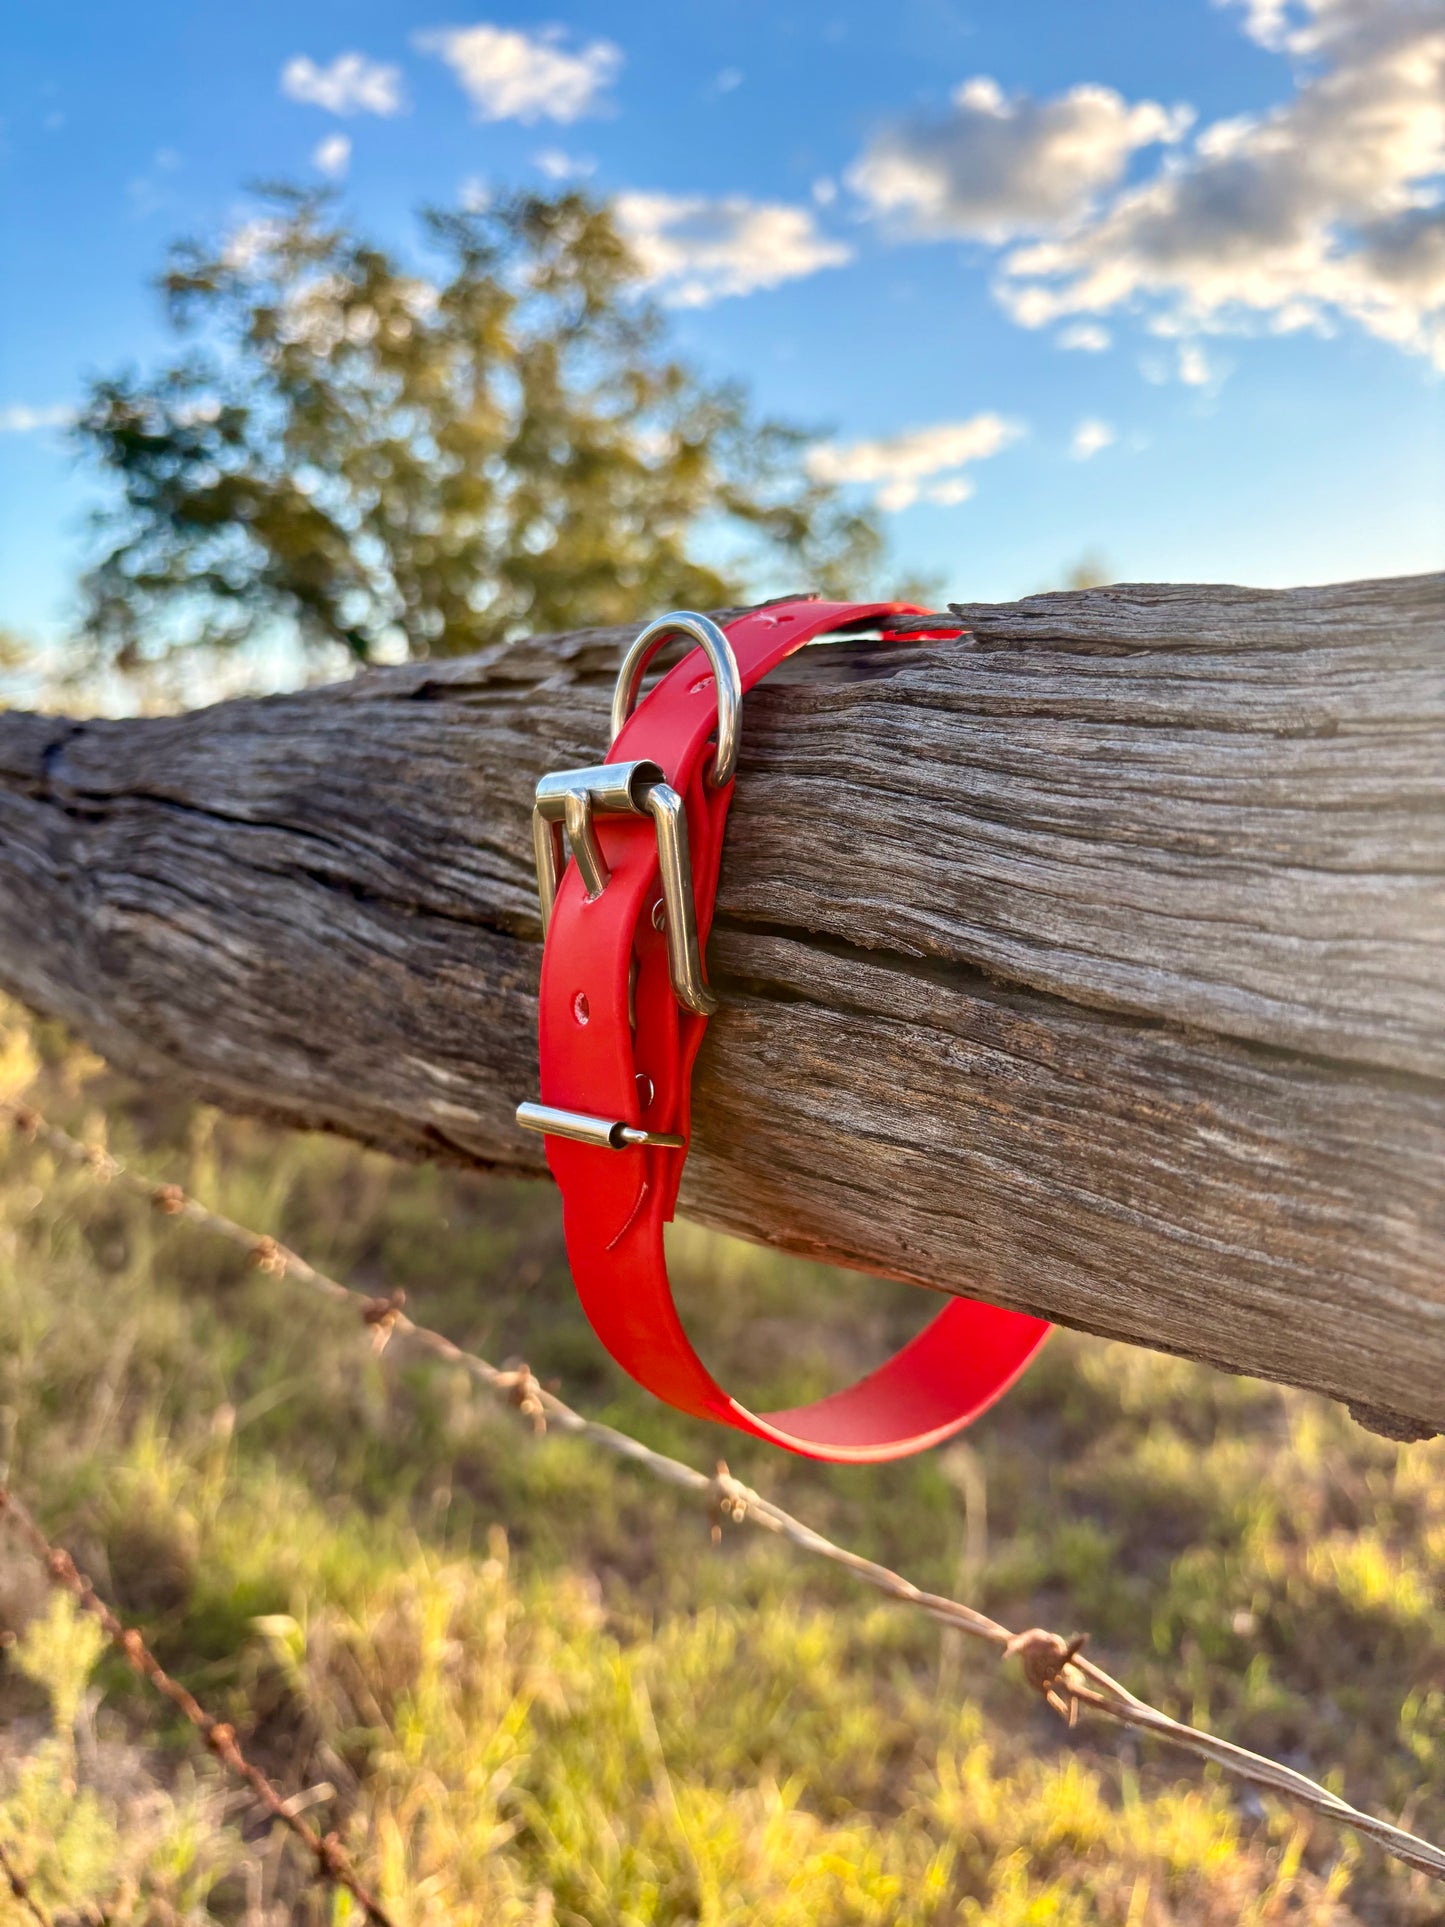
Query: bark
(1094,964)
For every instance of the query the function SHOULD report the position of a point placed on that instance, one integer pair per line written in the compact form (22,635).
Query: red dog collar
(624,1003)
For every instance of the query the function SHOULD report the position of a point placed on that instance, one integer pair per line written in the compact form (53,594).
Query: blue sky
(1162,283)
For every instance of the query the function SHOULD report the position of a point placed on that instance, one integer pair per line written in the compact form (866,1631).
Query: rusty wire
(1056,1668)
(332,1862)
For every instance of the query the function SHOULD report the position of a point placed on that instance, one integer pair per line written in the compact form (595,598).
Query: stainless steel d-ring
(715,645)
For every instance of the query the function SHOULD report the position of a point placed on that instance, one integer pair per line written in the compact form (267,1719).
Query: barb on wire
(1054,1667)
(326,1850)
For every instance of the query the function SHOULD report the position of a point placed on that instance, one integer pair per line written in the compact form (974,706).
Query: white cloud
(1089,437)
(949,494)
(1329,206)
(729,79)
(508,75)
(560,166)
(19,419)
(1087,336)
(352,84)
(825,190)
(993,167)
(696,250)
(333,155)
(1266,21)
(898,467)
(1194,368)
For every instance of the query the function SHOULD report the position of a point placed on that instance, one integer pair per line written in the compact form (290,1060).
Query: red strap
(616,1202)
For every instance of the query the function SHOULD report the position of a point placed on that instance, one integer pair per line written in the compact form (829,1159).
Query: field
(524,1685)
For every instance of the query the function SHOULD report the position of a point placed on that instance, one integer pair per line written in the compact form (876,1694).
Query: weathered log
(1094,965)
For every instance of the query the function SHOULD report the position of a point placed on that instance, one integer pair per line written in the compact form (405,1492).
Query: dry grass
(525,1687)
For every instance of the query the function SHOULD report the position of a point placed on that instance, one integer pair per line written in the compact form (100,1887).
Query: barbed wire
(332,1863)
(1056,1668)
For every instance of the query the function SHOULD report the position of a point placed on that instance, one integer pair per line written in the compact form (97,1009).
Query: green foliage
(524,1685)
(433,462)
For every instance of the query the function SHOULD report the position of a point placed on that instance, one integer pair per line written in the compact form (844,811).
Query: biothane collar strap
(624,1003)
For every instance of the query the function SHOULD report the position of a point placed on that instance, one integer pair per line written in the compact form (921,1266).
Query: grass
(523,1684)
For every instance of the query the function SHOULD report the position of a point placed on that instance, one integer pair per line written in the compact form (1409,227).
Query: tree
(388,460)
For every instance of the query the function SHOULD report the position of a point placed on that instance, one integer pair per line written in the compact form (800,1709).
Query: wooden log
(1094,964)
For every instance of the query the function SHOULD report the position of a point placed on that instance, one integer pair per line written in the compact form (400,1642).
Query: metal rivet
(645,1092)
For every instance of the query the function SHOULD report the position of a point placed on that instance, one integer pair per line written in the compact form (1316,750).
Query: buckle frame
(568,800)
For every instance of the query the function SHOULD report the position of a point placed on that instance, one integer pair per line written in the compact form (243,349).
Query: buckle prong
(577,820)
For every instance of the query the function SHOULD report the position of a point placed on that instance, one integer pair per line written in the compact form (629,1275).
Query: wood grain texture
(1094,964)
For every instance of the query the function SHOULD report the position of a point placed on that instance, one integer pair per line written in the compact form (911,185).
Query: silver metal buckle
(567,802)
(568,799)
